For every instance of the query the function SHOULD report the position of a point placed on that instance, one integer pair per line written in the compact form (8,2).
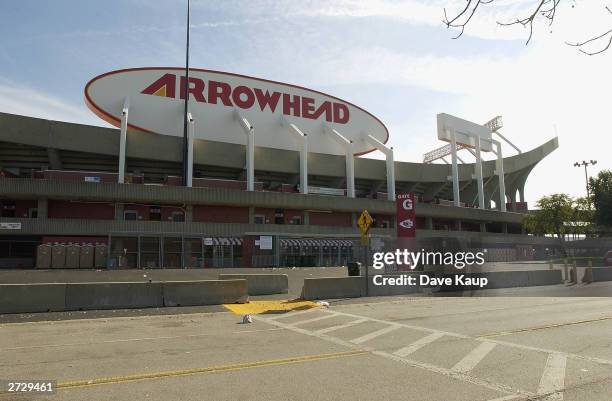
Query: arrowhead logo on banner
(405,215)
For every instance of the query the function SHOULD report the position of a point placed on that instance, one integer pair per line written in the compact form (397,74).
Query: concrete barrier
(333,287)
(82,296)
(602,273)
(262,284)
(28,298)
(205,292)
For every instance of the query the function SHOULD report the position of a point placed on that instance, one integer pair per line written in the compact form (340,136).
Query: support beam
(500,174)
(123,139)
(249,131)
(303,156)
(190,137)
(478,167)
(388,152)
(350,161)
(455,169)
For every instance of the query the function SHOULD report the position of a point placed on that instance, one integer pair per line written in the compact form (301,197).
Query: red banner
(405,214)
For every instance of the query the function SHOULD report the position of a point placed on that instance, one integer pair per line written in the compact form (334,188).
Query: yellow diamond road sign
(364,222)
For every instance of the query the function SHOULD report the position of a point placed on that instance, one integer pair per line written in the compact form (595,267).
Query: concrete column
(521,190)
(483,227)
(123,139)
(42,209)
(119,211)
(251,215)
(189,213)
(457,225)
(306,218)
(354,219)
(505,228)
(479,182)
(429,223)
(455,169)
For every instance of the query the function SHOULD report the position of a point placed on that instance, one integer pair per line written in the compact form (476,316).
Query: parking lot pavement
(397,349)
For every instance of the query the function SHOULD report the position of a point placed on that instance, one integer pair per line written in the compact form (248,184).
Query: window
(130,215)
(33,212)
(178,216)
(297,220)
(155,213)
(260,219)
(8,209)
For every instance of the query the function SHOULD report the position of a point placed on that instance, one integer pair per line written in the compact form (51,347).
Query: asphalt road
(442,349)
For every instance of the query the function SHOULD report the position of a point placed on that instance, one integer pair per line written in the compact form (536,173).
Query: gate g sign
(156,101)
(406,217)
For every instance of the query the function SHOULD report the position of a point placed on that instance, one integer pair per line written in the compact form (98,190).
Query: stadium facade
(59,186)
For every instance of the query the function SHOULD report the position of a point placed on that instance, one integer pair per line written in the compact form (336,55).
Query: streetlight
(586,175)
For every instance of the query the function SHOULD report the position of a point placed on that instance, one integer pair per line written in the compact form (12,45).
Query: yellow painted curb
(272,306)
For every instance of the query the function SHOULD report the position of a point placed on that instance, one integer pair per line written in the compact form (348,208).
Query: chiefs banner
(406,217)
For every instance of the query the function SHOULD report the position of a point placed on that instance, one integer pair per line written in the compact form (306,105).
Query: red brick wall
(221,214)
(336,219)
(80,210)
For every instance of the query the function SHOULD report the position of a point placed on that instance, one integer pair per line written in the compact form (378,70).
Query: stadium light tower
(586,175)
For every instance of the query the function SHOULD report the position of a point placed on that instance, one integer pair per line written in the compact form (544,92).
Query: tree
(542,11)
(556,216)
(601,195)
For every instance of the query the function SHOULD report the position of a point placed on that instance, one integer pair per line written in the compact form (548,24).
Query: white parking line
(315,319)
(553,378)
(291,314)
(418,344)
(416,364)
(472,359)
(374,334)
(340,326)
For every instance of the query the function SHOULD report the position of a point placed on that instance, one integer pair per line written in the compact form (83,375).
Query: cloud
(17,99)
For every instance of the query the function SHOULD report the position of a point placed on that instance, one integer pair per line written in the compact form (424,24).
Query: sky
(396,59)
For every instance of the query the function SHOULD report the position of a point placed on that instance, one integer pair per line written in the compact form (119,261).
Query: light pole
(586,176)
(186,110)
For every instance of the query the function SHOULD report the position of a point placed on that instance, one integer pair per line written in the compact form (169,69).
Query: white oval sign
(216,99)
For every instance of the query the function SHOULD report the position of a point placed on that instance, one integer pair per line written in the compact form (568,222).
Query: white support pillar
(190,137)
(303,157)
(350,161)
(249,131)
(478,166)
(123,139)
(455,169)
(500,175)
(388,152)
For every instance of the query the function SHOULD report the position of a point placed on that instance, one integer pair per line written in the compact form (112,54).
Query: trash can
(354,268)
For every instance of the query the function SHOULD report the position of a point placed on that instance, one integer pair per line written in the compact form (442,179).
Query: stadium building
(66,201)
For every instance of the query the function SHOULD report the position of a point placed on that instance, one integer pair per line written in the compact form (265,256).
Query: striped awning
(289,242)
(226,241)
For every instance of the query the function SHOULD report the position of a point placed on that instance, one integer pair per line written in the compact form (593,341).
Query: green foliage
(601,195)
(555,211)
(560,215)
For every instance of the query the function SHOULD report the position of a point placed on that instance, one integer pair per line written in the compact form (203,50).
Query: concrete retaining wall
(262,284)
(333,287)
(25,298)
(113,295)
(205,292)
(602,273)
(53,297)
